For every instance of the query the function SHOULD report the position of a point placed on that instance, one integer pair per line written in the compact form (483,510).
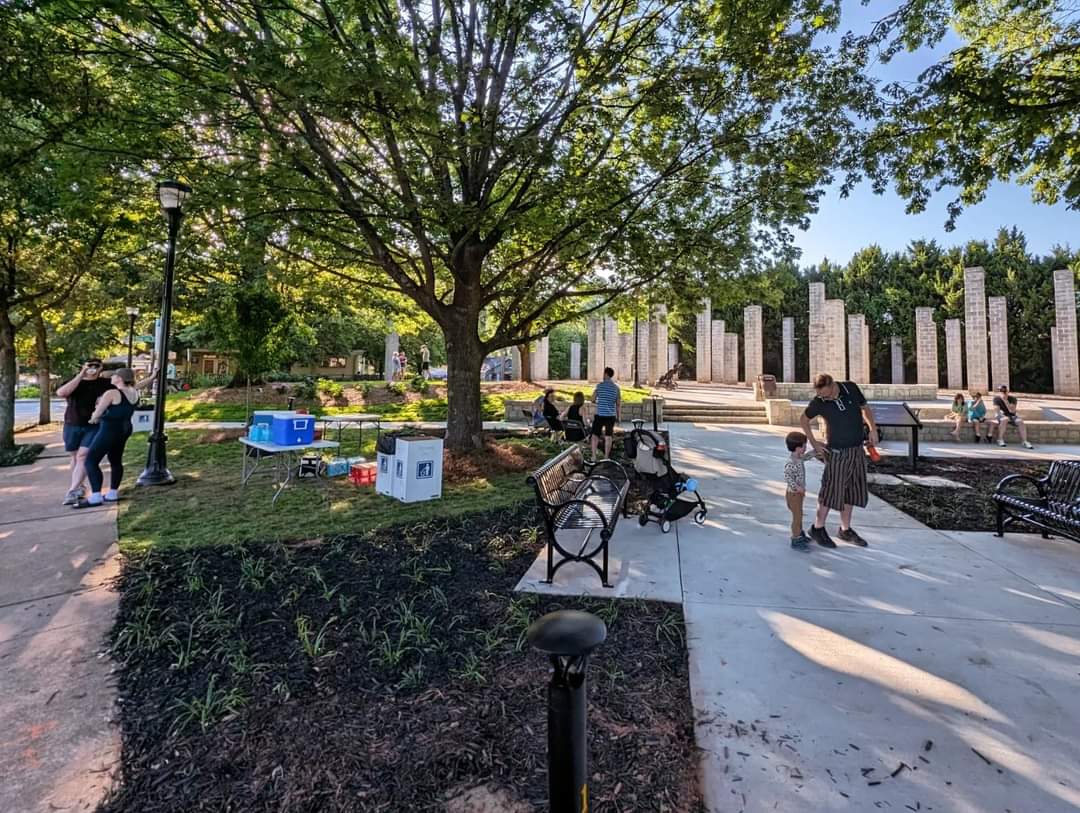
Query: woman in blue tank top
(113,417)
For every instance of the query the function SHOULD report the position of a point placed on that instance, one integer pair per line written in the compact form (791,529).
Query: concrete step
(726,408)
(715,419)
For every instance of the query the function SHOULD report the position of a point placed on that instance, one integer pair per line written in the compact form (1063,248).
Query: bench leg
(1000,521)
(551,558)
(605,537)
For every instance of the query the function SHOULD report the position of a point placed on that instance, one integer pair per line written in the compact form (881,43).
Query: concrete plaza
(929,671)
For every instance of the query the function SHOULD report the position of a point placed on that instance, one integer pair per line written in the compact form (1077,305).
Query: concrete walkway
(57,747)
(951,660)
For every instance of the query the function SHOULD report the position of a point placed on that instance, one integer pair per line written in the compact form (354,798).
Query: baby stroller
(673,495)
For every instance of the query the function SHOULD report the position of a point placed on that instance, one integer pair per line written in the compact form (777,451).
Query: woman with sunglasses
(82,394)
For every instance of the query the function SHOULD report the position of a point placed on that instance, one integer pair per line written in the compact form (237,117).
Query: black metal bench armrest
(591,467)
(1040,483)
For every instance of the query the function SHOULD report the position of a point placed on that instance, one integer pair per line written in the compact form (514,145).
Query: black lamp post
(133,314)
(171,194)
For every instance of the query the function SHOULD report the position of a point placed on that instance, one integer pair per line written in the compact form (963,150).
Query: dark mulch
(952,509)
(21,455)
(380,672)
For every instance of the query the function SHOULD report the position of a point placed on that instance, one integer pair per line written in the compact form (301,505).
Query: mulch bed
(22,455)
(952,509)
(385,671)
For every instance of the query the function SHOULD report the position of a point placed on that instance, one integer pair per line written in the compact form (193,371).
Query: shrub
(397,388)
(419,384)
(203,380)
(30,391)
(331,389)
(365,388)
(305,390)
(21,455)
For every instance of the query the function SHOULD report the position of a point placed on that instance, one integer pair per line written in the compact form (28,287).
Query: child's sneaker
(800,542)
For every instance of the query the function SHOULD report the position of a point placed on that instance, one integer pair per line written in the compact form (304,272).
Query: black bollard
(567,637)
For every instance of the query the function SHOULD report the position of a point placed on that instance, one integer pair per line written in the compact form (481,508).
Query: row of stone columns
(609,348)
(718,350)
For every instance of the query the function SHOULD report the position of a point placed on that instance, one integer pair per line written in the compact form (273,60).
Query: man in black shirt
(1006,415)
(843,483)
(82,393)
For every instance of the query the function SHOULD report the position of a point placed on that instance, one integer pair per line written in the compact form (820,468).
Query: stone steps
(720,413)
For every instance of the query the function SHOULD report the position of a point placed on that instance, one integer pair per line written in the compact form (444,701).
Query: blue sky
(844,225)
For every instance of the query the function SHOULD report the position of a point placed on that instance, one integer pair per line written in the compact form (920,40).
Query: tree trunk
(41,340)
(8,379)
(464,422)
(526,362)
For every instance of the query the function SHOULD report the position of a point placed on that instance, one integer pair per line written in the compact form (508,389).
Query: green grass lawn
(208,505)
(185,406)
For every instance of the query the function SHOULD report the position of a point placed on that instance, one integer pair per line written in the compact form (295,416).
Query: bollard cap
(567,632)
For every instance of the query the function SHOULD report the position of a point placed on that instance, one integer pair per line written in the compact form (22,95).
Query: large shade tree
(525,160)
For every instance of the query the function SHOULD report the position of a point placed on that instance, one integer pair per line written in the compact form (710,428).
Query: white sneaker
(1001,443)
(72,496)
(1028,445)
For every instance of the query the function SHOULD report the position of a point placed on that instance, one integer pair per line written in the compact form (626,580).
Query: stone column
(595,360)
(753,362)
(896,347)
(1055,361)
(926,360)
(954,355)
(703,344)
(575,361)
(644,355)
(1068,379)
(672,354)
(999,339)
(858,349)
(731,358)
(978,373)
(816,330)
(389,348)
(515,363)
(835,350)
(624,371)
(540,367)
(658,341)
(611,346)
(788,354)
(718,329)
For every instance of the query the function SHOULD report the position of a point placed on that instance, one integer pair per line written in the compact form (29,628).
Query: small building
(354,364)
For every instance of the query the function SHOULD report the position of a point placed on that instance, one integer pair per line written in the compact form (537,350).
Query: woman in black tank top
(113,416)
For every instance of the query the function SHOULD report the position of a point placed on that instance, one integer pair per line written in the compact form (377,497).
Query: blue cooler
(292,429)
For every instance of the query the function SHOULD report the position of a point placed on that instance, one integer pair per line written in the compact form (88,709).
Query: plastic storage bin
(417,466)
(362,474)
(292,429)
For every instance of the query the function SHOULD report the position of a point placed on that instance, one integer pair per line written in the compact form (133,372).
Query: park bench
(1055,509)
(577,495)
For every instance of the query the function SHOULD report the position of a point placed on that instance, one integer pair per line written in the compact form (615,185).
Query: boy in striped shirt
(608,400)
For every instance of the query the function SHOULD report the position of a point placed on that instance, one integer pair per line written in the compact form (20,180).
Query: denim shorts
(78,436)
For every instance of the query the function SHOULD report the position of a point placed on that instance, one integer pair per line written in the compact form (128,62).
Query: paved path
(816,676)
(56,702)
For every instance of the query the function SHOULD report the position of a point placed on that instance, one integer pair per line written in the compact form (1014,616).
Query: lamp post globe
(133,314)
(171,196)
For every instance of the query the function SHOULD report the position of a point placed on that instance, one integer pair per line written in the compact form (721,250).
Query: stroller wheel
(643,519)
(665,525)
(699,517)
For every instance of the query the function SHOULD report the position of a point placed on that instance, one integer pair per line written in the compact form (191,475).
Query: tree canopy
(1003,105)
(531,160)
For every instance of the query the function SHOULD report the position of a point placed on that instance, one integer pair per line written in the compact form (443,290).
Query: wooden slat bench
(577,495)
(1054,509)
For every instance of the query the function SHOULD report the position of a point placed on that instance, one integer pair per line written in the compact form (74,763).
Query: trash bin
(417,465)
(767,385)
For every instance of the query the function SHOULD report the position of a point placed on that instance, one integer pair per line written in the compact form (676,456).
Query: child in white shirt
(795,477)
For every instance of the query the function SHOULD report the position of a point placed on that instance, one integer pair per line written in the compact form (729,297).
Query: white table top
(273,448)
(348,418)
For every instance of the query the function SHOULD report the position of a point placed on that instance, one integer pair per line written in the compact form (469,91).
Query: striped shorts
(844,480)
